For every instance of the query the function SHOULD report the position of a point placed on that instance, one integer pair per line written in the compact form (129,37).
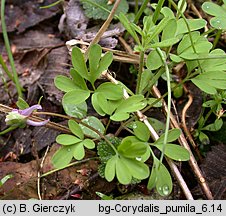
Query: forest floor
(37,37)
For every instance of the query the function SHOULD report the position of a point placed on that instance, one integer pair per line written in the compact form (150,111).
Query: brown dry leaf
(33,58)
(23,185)
(23,14)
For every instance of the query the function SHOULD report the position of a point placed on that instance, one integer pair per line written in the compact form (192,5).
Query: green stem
(217,38)
(51,5)
(11,128)
(7,45)
(140,12)
(5,68)
(141,65)
(157,11)
(179,10)
(153,81)
(206,118)
(136,6)
(168,102)
(69,165)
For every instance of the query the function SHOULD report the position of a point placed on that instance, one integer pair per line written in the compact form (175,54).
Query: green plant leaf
(203,138)
(78,151)
(137,29)
(147,25)
(122,172)
(88,143)
(175,58)
(132,104)
(125,22)
(167,12)
(194,24)
(77,79)
(78,62)
(94,8)
(64,83)
(218,22)
(110,168)
(120,116)
(173,135)
(22,104)
(153,61)
(67,139)
(104,63)
(141,131)
(131,149)
(103,103)
(182,5)
(95,123)
(95,52)
(215,64)
(164,183)
(62,157)
(214,126)
(77,111)
(97,64)
(210,81)
(103,196)
(157,125)
(209,103)
(165,43)
(170,30)
(5,179)
(213,9)
(137,169)
(75,129)
(158,29)
(175,152)
(145,79)
(110,90)
(201,44)
(96,104)
(152,101)
(152,179)
(75,97)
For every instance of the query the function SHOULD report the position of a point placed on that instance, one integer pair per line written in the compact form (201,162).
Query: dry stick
(186,131)
(155,136)
(118,55)
(192,162)
(104,26)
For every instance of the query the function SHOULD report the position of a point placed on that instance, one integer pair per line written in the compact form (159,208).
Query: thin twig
(104,26)
(184,125)
(118,55)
